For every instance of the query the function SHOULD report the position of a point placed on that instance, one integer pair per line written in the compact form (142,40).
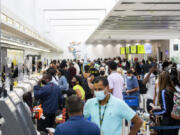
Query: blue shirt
(63,84)
(116,111)
(50,96)
(131,84)
(77,125)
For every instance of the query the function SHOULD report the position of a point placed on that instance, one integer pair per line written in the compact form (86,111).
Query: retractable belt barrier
(165,127)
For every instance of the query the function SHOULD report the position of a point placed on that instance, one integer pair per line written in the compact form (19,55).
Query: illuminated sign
(140,49)
(148,48)
(122,50)
(133,49)
(127,50)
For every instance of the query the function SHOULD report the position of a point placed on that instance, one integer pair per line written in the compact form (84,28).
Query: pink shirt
(116,82)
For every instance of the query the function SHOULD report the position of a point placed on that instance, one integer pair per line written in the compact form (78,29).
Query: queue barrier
(132,101)
(165,127)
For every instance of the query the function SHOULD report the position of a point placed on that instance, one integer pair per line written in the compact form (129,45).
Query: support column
(0,43)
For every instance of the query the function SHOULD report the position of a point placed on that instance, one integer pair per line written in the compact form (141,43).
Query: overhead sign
(122,50)
(140,49)
(148,48)
(127,50)
(133,49)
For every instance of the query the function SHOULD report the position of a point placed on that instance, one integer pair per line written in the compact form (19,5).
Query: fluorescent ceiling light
(74,9)
(74,25)
(21,45)
(54,19)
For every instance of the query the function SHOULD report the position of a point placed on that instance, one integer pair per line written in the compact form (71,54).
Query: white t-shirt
(116,82)
(54,81)
(76,66)
(106,73)
(150,86)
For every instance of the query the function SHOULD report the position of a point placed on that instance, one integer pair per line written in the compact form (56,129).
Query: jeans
(148,107)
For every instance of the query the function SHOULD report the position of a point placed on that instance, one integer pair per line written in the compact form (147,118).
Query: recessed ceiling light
(146,16)
(138,3)
(128,10)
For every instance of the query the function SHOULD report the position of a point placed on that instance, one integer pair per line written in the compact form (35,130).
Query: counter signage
(140,49)
(133,49)
(122,50)
(127,50)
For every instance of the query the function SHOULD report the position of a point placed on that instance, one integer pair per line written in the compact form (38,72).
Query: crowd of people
(93,91)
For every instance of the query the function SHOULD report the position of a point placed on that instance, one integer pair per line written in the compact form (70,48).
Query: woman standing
(63,83)
(77,87)
(166,93)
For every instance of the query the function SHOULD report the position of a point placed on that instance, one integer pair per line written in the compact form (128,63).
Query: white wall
(24,9)
(29,12)
(102,51)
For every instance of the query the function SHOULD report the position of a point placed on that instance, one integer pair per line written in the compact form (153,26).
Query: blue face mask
(100,95)
(129,77)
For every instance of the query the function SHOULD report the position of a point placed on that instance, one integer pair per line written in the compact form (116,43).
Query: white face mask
(129,77)
(100,95)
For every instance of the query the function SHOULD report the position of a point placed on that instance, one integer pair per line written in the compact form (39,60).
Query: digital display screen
(133,49)
(140,49)
(122,50)
(148,49)
(176,47)
(127,50)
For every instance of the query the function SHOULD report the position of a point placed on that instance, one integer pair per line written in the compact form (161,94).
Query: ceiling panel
(150,0)
(132,18)
(73,14)
(74,22)
(149,7)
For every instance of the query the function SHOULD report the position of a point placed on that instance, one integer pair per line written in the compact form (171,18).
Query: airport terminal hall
(89,67)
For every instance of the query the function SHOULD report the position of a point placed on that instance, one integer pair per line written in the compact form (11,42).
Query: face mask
(73,83)
(100,95)
(129,77)
(102,72)
(44,82)
(155,72)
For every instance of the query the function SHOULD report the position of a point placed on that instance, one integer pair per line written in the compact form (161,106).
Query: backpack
(175,114)
(142,87)
(86,88)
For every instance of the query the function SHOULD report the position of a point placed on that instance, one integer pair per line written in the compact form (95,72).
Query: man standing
(150,82)
(132,84)
(108,112)
(93,70)
(76,125)
(116,81)
(76,66)
(71,70)
(50,96)
(102,71)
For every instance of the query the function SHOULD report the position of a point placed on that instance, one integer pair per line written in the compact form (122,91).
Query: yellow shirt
(81,90)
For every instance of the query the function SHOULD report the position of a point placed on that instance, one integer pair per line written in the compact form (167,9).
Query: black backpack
(86,88)
(142,87)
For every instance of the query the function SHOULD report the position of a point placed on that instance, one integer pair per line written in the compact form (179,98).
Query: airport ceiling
(139,20)
(80,15)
